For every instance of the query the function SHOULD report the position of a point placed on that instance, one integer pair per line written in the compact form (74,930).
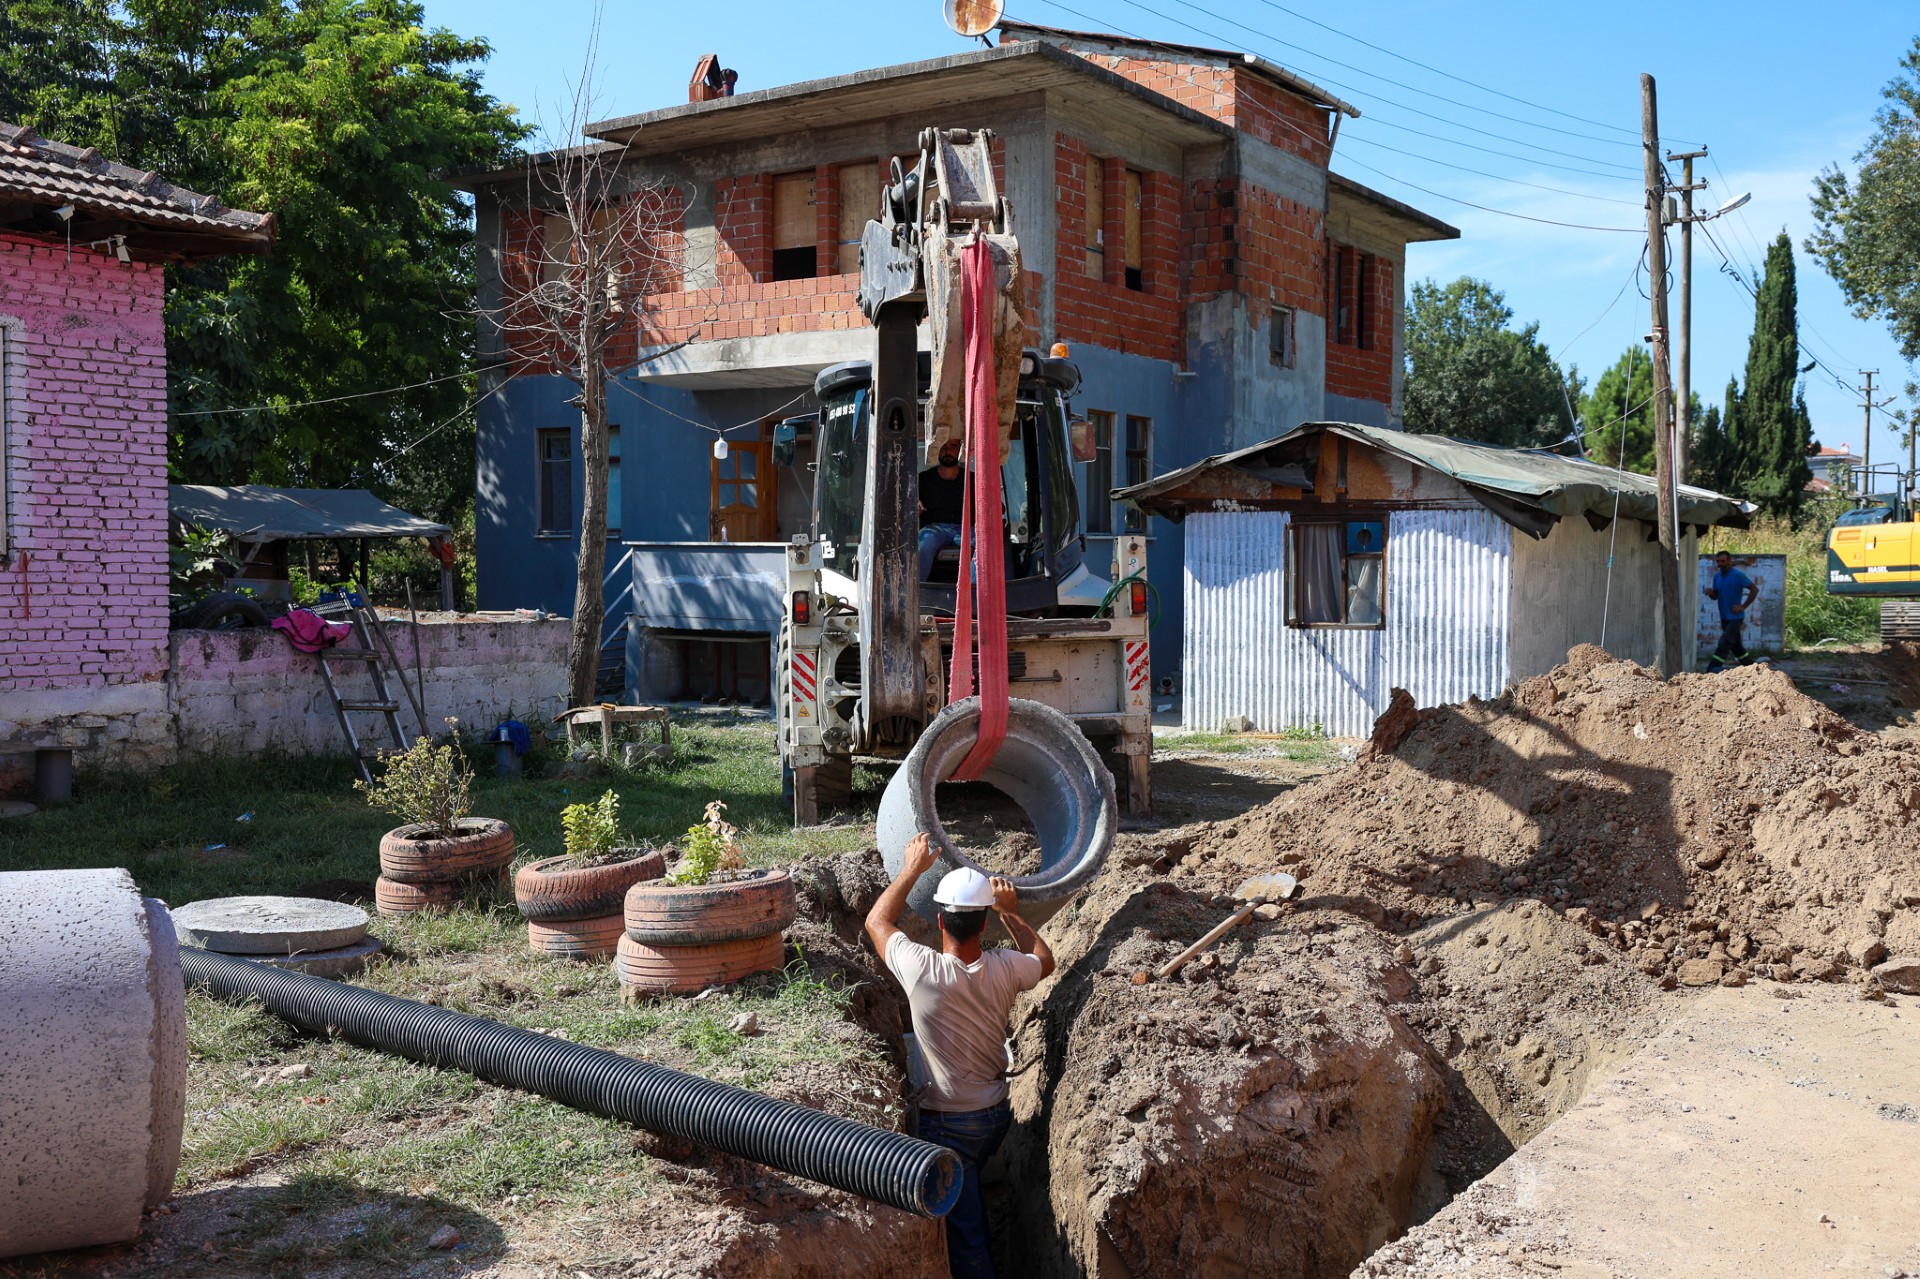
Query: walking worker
(1735,592)
(960,996)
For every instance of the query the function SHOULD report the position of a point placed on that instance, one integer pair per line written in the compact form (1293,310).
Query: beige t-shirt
(960,1016)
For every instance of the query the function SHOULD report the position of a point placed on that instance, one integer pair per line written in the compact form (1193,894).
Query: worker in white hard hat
(960,996)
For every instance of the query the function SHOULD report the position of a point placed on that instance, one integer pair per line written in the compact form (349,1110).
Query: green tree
(1471,375)
(1616,416)
(1768,432)
(1710,461)
(344,119)
(1867,227)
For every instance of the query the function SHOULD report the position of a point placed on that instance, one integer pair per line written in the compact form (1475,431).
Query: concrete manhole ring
(269,925)
(343,961)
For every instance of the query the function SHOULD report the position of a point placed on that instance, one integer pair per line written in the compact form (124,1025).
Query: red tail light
(1137,597)
(802,608)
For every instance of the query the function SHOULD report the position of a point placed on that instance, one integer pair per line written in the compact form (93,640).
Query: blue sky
(1775,90)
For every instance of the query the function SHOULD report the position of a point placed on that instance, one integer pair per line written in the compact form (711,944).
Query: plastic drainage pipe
(1046,765)
(887,1167)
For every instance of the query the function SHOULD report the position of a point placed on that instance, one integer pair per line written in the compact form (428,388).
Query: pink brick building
(83,439)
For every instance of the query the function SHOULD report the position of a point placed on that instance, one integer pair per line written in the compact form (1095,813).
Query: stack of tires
(682,938)
(576,912)
(419,869)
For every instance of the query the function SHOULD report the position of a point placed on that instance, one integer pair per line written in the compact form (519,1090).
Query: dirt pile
(1710,828)
(1266,1111)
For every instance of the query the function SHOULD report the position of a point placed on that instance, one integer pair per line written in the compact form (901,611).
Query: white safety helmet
(964,889)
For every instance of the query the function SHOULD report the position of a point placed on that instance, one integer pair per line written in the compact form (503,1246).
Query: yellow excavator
(1874,550)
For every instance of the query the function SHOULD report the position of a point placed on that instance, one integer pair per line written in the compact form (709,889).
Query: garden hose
(887,1167)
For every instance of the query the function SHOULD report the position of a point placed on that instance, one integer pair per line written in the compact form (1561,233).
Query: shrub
(593,830)
(424,785)
(713,848)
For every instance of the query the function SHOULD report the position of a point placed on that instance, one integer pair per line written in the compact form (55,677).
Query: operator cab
(1041,535)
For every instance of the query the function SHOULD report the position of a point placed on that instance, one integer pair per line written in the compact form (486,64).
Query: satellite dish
(973,17)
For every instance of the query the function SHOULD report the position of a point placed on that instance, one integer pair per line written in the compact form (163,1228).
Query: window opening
(1280,337)
(1342,318)
(1139,467)
(1361,319)
(613,479)
(859,205)
(1336,573)
(795,251)
(555,452)
(1130,215)
(1096,218)
(1100,474)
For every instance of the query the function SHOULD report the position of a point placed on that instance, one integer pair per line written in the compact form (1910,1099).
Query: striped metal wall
(1449,592)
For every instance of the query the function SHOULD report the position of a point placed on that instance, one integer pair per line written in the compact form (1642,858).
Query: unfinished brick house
(83,440)
(1182,233)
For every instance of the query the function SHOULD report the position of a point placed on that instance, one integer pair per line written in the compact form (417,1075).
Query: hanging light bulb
(720,449)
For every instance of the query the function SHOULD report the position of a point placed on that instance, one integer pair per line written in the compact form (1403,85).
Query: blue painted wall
(664,468)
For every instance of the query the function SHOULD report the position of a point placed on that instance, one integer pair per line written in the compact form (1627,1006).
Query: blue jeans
(935,538)
(973,1135)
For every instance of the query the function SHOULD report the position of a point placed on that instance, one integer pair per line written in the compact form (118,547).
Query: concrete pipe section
(1045,765)
(93,1058)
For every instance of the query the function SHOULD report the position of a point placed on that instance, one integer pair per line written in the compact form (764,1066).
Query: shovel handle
(1218,931)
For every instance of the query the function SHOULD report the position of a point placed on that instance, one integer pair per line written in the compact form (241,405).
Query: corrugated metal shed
(1448,600)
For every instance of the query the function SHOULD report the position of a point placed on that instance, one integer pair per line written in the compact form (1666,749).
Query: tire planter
(686,970)
(555,889)
(407,856)
(758,904)
(391,897)
(577,938)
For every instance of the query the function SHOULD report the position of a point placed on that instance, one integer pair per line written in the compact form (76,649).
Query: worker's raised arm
(1006,904)
(882,919)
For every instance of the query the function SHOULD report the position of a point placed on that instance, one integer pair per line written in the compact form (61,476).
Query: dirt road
(1770,1133)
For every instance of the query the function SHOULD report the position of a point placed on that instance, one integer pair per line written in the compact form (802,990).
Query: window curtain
(1321,589)
(1363,592)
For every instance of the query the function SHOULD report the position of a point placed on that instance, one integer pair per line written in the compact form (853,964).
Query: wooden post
(1671,654)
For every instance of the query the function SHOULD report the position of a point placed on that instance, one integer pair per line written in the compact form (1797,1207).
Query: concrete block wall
(83,556)
(243,692)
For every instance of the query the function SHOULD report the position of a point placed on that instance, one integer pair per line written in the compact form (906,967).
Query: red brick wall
(1244,237)
(1364,374)
(83,588)
(743,219)
(1149,321)
(1233,95)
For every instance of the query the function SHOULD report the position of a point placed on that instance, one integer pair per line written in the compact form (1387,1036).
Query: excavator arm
(909,271)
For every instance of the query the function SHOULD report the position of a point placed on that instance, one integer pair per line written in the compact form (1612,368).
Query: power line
(336,399)
(1486,208)
(755,420)
(1458,79)
(1474,146)
(1212,35)
(1581,195)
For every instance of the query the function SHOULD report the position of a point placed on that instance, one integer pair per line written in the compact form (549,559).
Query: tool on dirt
(1255,893)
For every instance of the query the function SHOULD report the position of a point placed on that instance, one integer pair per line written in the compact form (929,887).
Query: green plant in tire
(712,849)
(424,785)
(592,830)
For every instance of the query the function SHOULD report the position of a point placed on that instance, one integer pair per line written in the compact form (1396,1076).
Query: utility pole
(1683,326)
(1866,438)
(1671,653)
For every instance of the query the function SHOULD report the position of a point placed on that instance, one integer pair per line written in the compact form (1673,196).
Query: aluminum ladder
(376,654)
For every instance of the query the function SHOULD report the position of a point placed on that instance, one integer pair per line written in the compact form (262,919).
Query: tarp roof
(1527,487)
(256,513)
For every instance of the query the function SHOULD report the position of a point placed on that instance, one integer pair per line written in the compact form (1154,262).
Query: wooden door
(742,500)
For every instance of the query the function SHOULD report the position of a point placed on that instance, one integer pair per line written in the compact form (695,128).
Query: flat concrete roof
(909,88)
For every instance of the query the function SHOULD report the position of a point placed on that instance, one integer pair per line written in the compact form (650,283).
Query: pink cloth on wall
(309,632)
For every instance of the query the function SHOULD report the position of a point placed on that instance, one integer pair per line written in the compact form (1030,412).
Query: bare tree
(583,256)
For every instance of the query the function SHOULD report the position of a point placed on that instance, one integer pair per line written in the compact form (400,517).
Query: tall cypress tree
(1768,432)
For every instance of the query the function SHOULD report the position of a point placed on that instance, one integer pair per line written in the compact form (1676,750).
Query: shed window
(556,481)
(1336,574)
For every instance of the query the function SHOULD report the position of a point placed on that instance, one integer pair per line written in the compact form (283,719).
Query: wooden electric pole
(1671,654)
(1683,326)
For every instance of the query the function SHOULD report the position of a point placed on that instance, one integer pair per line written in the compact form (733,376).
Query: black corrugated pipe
(887,1167)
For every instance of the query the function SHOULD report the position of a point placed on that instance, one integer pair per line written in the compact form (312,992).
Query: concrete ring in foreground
(93,1058)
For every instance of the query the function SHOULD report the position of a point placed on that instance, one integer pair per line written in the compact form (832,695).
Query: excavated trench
(1503,901)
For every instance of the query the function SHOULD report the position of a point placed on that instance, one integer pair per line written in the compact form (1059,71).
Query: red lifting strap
(981,519)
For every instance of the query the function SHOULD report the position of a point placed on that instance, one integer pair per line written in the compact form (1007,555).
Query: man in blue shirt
(1735,592)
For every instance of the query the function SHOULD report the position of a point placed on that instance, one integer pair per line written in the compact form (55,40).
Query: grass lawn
(370,1153)
(1304,747)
